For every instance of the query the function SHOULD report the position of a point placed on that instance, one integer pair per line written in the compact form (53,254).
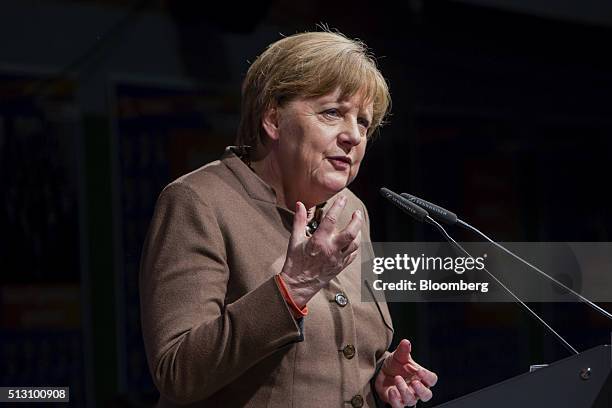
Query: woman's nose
(351,133)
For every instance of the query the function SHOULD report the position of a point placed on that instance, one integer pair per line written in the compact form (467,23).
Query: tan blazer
(217,331)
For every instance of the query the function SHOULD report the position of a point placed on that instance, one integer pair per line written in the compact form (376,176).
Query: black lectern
(580,381)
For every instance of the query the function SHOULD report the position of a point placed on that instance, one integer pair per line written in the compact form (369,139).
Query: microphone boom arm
(534,314)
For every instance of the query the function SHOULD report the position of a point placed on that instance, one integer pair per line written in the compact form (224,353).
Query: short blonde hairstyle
(309,65)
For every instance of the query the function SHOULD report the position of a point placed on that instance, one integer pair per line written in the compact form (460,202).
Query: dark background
(501,112)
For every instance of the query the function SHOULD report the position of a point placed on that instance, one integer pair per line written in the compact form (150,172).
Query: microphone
(437,212)
(403,203)
(406,206)
(451,218)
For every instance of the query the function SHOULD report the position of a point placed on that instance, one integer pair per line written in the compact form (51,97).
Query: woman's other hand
(401,381)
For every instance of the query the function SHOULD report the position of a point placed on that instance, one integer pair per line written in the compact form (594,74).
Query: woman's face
(320,144)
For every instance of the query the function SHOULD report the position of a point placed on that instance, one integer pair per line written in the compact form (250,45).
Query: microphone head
(436,212)
(405,205)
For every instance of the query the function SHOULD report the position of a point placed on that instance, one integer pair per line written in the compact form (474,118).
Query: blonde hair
(309,65)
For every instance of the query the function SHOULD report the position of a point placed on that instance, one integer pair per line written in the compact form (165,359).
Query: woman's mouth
(340,162)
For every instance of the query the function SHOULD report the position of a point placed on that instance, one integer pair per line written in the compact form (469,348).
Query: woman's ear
(269,122)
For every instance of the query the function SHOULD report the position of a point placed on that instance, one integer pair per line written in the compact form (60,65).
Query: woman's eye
(332,112)
(364,123)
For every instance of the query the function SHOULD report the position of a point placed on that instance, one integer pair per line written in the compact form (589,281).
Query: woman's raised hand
(312,262)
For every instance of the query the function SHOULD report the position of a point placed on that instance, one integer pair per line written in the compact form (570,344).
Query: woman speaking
(250,287)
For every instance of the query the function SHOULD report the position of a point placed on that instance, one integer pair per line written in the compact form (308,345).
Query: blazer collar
(258,189)
(252,183)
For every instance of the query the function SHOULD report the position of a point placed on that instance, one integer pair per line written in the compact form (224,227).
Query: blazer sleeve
(195,343)
(377,399)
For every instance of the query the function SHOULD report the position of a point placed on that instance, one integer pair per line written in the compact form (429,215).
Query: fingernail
(358,213)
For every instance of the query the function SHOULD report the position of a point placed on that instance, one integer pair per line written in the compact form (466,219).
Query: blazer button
(341,299)
(349,351)
(357,401)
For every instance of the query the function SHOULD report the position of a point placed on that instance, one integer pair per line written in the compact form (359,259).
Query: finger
(416,398)
(299,224)
(330,219)
(349,259)
(421,391)
(399,362)
(407,392)
(349,234)
(353,246)
(427,377)
(394,398)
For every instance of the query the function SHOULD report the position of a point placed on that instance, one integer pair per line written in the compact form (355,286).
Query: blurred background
(501,112)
